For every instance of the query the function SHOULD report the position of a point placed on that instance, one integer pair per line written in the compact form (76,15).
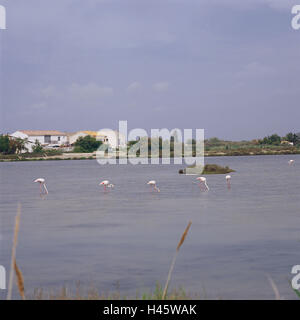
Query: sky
(230,67)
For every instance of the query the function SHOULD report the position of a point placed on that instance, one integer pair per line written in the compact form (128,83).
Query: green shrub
(37,147)
(86,144)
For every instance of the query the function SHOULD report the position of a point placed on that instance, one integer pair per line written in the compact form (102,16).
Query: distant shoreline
(92,156)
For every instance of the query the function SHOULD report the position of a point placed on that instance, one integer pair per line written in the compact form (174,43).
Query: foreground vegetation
(94,294)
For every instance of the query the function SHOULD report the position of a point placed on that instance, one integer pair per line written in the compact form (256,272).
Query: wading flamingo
(106,184)
(42,183)
(203,185)
(152,183)
(228,178)
(291,162)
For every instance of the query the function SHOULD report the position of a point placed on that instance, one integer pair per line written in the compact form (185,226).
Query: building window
(58,139)
(47,139)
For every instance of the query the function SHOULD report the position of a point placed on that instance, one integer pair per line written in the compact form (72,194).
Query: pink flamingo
(203,185)
(152,183)
(228,178)
(106,184)
(291,162)
(42,183)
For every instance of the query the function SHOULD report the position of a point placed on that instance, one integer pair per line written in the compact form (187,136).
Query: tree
(37,148)
(4,144)
(20,145)
(274,139)
(11,145)
(292,137)
(87,144)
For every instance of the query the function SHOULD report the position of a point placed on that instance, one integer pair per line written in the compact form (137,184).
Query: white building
(113,138)
(44,137)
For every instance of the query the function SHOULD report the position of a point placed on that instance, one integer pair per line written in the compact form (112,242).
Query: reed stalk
(19,280)
(13,254)
(181,241)
(274,287)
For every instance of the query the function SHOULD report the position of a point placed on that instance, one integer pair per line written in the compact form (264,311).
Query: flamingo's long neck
(45,188)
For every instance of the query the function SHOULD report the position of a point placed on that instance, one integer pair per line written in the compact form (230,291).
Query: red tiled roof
(43,132)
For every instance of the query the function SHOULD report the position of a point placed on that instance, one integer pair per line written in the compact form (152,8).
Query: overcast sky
(230,67)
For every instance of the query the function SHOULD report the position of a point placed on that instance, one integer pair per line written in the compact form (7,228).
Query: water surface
(125,239)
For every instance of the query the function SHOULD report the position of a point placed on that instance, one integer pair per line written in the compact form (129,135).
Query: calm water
(126,238)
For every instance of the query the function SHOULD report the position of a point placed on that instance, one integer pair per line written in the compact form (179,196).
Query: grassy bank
(47,156)
(92,293)
(214,152)
(253,151)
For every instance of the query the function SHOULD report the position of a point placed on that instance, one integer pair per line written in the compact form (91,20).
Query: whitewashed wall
(53,139)
(41,139)
(115,139)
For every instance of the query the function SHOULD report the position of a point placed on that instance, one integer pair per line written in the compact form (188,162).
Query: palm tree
(21,145)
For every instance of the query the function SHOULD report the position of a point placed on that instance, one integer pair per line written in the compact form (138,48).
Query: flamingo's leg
(46,190)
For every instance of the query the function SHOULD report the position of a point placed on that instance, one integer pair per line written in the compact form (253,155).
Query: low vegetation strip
(85,147)
(208,169)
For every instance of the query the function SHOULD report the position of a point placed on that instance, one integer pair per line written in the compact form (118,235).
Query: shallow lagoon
(125,239)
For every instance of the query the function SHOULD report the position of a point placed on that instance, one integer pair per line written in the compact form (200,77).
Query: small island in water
(207,169)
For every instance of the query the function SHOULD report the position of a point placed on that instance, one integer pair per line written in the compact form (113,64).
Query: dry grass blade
(19,280)
(13,254)
(174,259)
(183,236)
(274,287)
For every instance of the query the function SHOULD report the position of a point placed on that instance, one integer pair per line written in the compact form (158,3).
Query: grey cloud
(161,86)
(134,86)
(64,56)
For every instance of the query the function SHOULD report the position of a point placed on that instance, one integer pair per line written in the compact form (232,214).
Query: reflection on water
(127,236)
